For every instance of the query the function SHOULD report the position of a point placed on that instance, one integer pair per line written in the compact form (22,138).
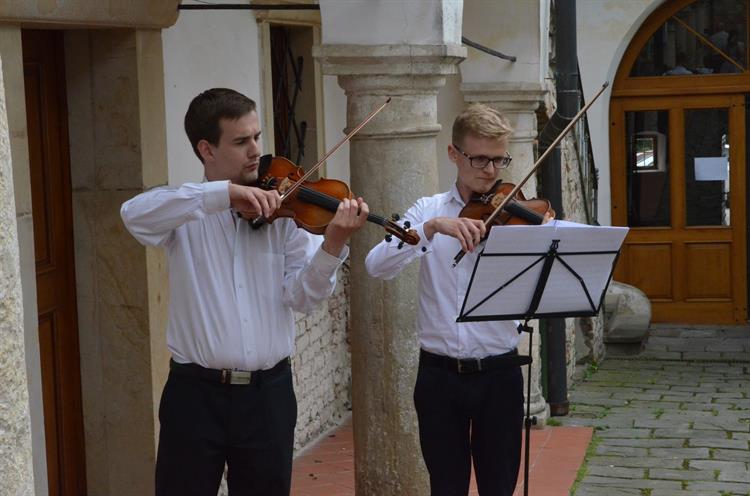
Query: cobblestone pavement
(672,420)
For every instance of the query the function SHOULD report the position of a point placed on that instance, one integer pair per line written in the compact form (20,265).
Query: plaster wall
(334,105)
(206,49)
(12,71)
(392,22)
(513,28)
(120,13)
(605,29)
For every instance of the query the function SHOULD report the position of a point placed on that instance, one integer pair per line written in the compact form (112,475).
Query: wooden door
(678,181)
(44,82)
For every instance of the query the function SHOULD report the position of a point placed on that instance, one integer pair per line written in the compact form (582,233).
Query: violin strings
(330,203)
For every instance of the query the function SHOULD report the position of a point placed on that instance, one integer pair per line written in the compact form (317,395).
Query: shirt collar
(454,195)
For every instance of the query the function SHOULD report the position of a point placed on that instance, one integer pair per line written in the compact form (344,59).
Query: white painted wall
(334,108)
(605,29)
(392,22)
(205,49)
(513,28)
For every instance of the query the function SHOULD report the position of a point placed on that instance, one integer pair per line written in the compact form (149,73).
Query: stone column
(518,101)
(15,432)
(393,163)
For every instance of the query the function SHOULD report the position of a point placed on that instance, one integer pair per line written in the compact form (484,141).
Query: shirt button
(424,249)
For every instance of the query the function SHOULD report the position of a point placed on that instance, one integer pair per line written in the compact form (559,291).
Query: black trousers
(474,416)
(205,424)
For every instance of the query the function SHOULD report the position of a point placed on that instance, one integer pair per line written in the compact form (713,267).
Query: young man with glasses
(469,390)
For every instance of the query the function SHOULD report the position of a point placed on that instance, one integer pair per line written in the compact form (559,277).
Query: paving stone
(644,443)
(699,475)
(642,483)
(685,433)
(625,461)
(657,405)
(694,345)
(731,455)
(670,492)
(661,355)
(689,453)
(735,476)
(735,488)
(593,490)
(659,423)
(598,401)
(738,356)
(721,424)
(646,396)
(742,404)
(652,387)
(701,355)
(622,472)
(624,433)
(734,444)
(717,465)
(620,451)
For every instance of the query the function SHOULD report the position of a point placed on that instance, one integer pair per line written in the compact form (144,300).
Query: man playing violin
(469,390)
(233,292)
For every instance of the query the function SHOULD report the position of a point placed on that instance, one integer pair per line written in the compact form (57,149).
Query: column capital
(409,61)
(507,96)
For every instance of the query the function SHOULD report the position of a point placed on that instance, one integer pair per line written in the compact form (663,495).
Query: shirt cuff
(425,245)
(215,196)
(327,263)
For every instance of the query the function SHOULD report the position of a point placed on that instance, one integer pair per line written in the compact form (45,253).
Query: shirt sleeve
(309,270)
(388,258)
(152,216)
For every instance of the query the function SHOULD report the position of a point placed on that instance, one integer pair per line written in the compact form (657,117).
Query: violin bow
(539,162)
(261,220)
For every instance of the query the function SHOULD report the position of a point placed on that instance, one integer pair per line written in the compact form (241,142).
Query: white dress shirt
(441,287)
(232,289)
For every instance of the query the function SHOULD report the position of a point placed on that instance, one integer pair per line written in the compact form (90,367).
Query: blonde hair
(481,121)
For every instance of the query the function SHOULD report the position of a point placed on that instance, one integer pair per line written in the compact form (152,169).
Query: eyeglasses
(480,161)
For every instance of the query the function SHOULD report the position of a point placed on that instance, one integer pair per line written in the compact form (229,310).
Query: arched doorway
(678,151)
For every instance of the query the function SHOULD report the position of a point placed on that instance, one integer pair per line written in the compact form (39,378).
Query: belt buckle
(235,377)
(462,369)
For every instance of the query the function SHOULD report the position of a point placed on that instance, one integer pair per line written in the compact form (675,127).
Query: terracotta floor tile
(327,468)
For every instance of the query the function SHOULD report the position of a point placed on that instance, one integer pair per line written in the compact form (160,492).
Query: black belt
(471,365)
(228,376)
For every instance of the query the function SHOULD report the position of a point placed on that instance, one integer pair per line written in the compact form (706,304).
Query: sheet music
(508,269)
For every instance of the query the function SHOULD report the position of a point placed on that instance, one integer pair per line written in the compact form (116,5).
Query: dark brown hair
(208,108)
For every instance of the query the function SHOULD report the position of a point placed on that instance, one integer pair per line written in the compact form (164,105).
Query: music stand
(559,269)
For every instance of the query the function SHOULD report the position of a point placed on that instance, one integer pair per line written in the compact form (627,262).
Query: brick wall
(322,365)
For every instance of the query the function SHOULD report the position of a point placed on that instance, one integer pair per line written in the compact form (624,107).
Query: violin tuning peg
(388,237)
(395,217)
(407,224)
(400,245)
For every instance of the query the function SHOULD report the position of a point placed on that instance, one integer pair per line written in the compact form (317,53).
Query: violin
(517,210)
(312,204)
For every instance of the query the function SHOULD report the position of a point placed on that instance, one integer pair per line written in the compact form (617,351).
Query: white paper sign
(711,168)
